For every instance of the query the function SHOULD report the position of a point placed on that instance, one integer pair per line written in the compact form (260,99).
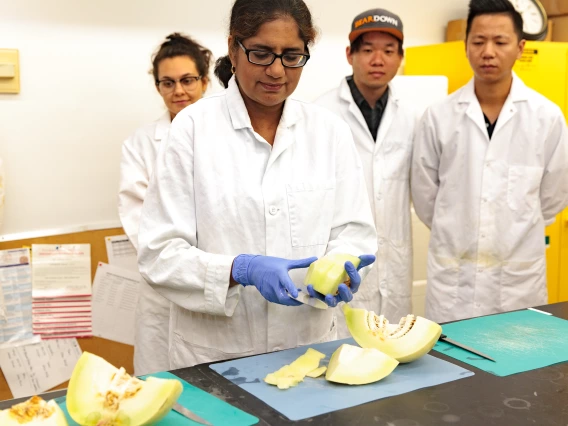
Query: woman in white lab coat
(180,69)
(251,171)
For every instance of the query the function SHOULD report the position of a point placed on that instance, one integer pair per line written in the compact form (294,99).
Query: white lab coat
(487,201)
(386,164)
(220,190)
(139,153)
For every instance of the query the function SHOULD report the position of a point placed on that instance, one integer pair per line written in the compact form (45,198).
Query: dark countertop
(537,397)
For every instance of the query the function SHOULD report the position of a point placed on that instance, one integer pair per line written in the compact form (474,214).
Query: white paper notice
(121,252)
(32,369)
(61,270)
(16,299)
(115,294)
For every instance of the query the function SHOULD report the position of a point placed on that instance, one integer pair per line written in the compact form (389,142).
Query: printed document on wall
(32,369)
(61,295)
(16,298)
(115,294)
(121,252)
(61,270)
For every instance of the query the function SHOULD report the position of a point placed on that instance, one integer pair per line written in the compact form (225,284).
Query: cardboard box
(560,28)
(555,7)
(456,30)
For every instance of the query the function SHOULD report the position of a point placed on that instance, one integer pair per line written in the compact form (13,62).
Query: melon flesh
(33,412)
(352,365)
(410,339)
(291,375)
(101,395)
(328,272)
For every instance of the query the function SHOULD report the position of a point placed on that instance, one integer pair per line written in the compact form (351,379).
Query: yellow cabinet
(544,68)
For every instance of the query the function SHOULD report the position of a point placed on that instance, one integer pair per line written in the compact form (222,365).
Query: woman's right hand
(270,276)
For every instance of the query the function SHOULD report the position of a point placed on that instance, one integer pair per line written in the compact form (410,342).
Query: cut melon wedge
(101,395)
(33,412)
(410,339)
(291,375)
(352,365)
(328,272)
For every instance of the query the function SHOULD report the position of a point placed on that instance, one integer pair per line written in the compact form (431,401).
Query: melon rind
(328,272)
(352,365)
(294,373)
(92,376)
(417,342)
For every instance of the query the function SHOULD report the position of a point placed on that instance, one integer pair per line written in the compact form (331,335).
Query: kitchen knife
(190,414)
(305,298)
(446,339)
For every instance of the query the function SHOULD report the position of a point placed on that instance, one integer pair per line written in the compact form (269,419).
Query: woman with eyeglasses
(250,188)
(180,69)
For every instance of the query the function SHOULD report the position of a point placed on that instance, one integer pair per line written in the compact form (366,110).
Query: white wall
(85,87)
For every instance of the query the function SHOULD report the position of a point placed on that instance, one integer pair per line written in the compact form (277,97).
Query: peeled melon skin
(15,415)
(413,345)
(294,373)
(328,272)
(352,365)
(148,405)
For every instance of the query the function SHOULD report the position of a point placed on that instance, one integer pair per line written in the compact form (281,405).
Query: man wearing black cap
(382,128)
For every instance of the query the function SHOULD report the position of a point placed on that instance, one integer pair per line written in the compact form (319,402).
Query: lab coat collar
(388,116)
(162,127)
(239,114)
(519,91)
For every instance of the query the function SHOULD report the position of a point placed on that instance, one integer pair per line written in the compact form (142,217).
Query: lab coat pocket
(523,284)
(523,188)
(310,207)
(397,155)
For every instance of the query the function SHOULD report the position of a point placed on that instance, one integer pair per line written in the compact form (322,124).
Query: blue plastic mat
(206,406)
(313,397)
(518,341)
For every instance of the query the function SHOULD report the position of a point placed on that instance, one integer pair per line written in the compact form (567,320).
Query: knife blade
(190,414)
(305,298)
(446,339)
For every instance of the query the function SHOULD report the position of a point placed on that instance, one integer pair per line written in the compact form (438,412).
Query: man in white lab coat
(382,127)
(489,171)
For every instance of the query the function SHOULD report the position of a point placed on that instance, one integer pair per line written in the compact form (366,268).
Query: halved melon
(102,395)
(352,365)
(406,341)
(291,375)
(33,412)
(326,273)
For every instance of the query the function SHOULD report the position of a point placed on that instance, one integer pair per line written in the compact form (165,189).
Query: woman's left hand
(345,292)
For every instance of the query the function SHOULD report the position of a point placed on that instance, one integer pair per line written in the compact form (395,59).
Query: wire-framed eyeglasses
(167,85)
(266,58)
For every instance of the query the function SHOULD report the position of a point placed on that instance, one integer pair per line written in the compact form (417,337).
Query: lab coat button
(381,241)
(273,210)
(379,197)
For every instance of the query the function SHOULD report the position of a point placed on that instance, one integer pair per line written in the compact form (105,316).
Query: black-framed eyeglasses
(167,85)
(266,58)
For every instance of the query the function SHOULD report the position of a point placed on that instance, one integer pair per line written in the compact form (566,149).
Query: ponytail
(223,70)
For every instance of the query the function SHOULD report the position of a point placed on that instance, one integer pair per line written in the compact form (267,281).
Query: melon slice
(410,339)
(101,395)
(33,412)
(352,365)
(326,273)
(291,375)
(317,372)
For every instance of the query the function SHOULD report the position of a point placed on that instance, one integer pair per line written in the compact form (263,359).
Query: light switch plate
(10,85)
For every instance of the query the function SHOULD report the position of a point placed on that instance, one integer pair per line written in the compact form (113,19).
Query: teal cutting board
(518,341)
(208,407)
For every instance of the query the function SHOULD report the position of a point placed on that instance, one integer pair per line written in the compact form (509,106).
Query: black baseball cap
(376,20)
